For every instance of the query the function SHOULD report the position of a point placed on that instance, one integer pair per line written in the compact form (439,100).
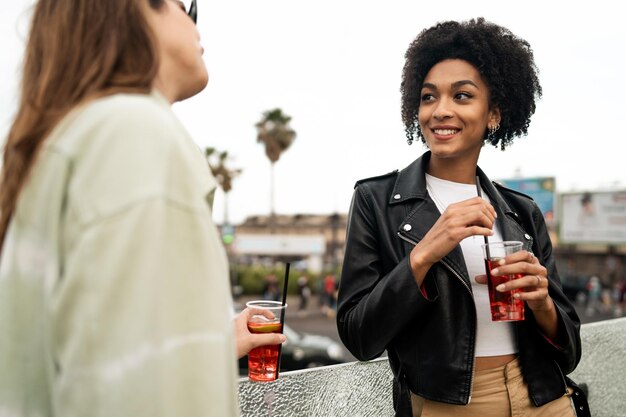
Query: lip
(445,132)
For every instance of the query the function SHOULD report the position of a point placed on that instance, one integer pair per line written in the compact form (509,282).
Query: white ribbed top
(492,338)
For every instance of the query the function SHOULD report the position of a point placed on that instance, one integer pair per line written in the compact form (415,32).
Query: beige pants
(497,392)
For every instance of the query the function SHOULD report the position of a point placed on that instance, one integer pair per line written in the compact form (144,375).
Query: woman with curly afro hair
(414,280)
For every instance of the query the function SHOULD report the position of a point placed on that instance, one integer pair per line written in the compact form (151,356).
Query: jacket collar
(509,220)
(411,181)
(411,185)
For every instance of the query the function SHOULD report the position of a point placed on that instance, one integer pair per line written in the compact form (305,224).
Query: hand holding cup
(265,320)
(246,340)
(526,280)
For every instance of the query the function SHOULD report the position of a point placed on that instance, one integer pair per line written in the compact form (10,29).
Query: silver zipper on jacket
(449,267)
(406,239)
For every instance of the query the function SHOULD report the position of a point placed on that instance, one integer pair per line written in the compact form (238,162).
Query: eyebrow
(455,84)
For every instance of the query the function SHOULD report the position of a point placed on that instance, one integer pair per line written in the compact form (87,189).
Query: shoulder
(115,119)
(127,148)
(388,177)
(137,125)
(127,105)
(518,200)
(511,192)
(131,115)
(129,111)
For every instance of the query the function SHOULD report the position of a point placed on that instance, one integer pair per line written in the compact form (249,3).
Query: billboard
(541,189)
(593,217)
(279,244)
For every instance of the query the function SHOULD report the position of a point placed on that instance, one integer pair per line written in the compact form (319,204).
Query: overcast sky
(335,67)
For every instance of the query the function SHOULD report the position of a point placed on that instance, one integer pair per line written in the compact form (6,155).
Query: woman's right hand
(473,217)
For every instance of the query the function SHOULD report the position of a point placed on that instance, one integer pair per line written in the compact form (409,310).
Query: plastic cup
(263,360)
(504,305)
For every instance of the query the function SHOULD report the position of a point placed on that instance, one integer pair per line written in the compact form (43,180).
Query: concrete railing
(603,367)
(363,389)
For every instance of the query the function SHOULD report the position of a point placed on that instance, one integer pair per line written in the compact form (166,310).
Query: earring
(491,136)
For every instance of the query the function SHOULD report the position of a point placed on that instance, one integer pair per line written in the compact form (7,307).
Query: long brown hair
(77,50)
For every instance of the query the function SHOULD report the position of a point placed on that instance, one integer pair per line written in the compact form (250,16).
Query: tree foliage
(217,164)
(274,132)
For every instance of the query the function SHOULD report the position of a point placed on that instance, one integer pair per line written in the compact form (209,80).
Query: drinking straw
(282,316)
(484,236)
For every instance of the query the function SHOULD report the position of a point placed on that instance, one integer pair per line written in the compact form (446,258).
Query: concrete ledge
(355,389)
(363,389)
(603,367)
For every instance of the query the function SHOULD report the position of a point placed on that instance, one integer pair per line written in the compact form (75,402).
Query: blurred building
(592,235)
(312,241)
(588,231)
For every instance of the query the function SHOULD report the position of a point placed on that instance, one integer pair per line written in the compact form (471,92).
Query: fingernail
(517,295)
(501,262)
(283,339)
(495,272)
(500,287)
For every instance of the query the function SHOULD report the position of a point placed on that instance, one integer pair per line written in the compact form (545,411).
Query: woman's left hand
(246,341)
(534,281)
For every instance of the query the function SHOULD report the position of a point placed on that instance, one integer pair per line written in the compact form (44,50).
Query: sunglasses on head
(193,11)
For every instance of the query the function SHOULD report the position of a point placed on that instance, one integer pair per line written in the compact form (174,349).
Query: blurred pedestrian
(304,293)
(330,295)
(271,291)
(618,297)
(594,294)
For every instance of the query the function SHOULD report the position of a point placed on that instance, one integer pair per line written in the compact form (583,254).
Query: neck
(463,172)
(158,84)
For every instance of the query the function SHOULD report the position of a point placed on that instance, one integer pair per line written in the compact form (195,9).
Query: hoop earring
(491,135)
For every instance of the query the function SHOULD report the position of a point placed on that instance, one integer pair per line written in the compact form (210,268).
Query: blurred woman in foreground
(114,290)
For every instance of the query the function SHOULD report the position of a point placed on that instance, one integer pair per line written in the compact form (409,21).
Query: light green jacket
(114,292)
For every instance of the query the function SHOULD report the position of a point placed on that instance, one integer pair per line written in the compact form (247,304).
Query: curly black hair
(504,60)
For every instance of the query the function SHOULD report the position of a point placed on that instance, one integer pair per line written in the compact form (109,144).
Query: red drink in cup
(504,306)
(263,360)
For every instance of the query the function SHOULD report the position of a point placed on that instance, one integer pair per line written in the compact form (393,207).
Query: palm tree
(223,175)
(274,131)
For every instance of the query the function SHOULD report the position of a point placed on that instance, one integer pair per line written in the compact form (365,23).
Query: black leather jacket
(430,342)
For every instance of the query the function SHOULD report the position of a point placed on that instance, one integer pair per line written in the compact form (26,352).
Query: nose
(442,110)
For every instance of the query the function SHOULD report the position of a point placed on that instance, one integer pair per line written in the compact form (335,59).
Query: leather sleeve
(376,300)
(567,349)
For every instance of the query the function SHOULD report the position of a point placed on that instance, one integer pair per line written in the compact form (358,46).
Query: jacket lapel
(509,221)
(410,189)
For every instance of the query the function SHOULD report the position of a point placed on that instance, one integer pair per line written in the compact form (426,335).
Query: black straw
(282,316)
(484,236)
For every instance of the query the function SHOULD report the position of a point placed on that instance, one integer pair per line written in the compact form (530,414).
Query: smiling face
(454,114)
(182,72)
